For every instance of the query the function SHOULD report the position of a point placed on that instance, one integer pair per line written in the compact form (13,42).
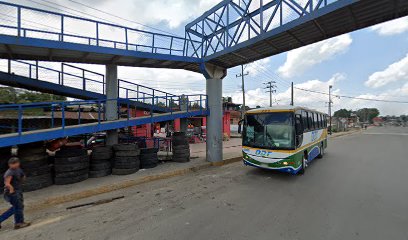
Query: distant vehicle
(285,139)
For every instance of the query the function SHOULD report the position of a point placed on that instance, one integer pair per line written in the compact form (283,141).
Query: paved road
(358,191)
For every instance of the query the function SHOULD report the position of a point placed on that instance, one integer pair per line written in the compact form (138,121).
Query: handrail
(168,41)
(173,103)
(34,68)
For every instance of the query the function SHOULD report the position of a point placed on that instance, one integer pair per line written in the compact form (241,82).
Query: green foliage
(368,114)
(10,95)
(343,113)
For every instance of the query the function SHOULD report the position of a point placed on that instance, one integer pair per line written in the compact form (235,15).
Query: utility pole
(242,76)
(292,102)
(271,89)
(330,109)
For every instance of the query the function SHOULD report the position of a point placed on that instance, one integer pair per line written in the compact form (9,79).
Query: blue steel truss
(32,23)
(56,113)
(237,22)
(78,78)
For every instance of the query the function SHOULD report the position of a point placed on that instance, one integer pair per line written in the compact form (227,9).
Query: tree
(10,95)
(368,114)
(343,113)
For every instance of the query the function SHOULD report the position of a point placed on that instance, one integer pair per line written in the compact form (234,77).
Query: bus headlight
(285,163)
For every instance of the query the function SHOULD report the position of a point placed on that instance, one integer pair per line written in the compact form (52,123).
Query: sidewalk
(60,194)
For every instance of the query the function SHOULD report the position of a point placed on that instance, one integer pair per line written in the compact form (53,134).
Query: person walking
(13,194)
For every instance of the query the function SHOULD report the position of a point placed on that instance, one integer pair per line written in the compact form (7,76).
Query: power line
(350,97)
(271,89)
(119,17)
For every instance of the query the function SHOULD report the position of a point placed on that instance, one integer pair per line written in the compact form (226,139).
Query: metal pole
(271,89)
(330,110)
(292,102)
(242,76)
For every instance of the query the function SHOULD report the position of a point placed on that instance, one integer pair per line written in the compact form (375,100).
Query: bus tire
(321,149)
(304,165)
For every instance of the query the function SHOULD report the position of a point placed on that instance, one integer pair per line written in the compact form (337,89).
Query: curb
(124,184)
(345,134)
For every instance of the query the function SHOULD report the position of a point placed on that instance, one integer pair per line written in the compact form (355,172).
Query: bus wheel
(304,165)
(321,154)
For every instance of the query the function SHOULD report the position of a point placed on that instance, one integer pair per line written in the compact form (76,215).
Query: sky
(371,63)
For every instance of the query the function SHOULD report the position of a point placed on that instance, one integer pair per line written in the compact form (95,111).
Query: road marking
(392,134)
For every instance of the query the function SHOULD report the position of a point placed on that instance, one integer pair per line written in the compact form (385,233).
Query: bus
(285,139)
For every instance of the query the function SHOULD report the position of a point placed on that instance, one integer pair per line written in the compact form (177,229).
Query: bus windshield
(269,130)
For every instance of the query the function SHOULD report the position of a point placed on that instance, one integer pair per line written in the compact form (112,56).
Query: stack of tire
(101,160)
(148,158)
(181,147)
(71,166)
(127,159)
(35,163)
(5,154)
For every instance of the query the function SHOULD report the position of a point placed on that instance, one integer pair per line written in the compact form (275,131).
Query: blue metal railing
(59,110)
(18,21)
(232,22)
(80,78)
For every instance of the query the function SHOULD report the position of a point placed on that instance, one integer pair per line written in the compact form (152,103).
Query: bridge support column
(111,107)
(214,76)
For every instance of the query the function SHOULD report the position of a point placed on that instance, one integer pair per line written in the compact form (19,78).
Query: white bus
(285,139)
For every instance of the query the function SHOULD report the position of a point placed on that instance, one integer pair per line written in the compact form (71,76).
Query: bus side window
(305,122)
(322,120)
(311,123)
(318,121)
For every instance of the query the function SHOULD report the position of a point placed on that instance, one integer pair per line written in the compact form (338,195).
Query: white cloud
(394,27)
(397,71)
(302,59)
(258,96)
(258,67)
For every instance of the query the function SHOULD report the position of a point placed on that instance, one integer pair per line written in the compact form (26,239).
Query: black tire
(149,161)
(135,165)
(73,152)
(34,157)
(127,153)
(321,149)
(101,173)
(32,172)
(37,185)
(145,151)
(37,179)
(71,160)
(100,166)
(71,174)
(181,147)
(123,171)
(149,166)
(181,152)
(34,164)
(125,147)
(303,167)
(71,167)
(105,149)
(126,159)
(66,181)
(102,155)
(179,142)
(182,155)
